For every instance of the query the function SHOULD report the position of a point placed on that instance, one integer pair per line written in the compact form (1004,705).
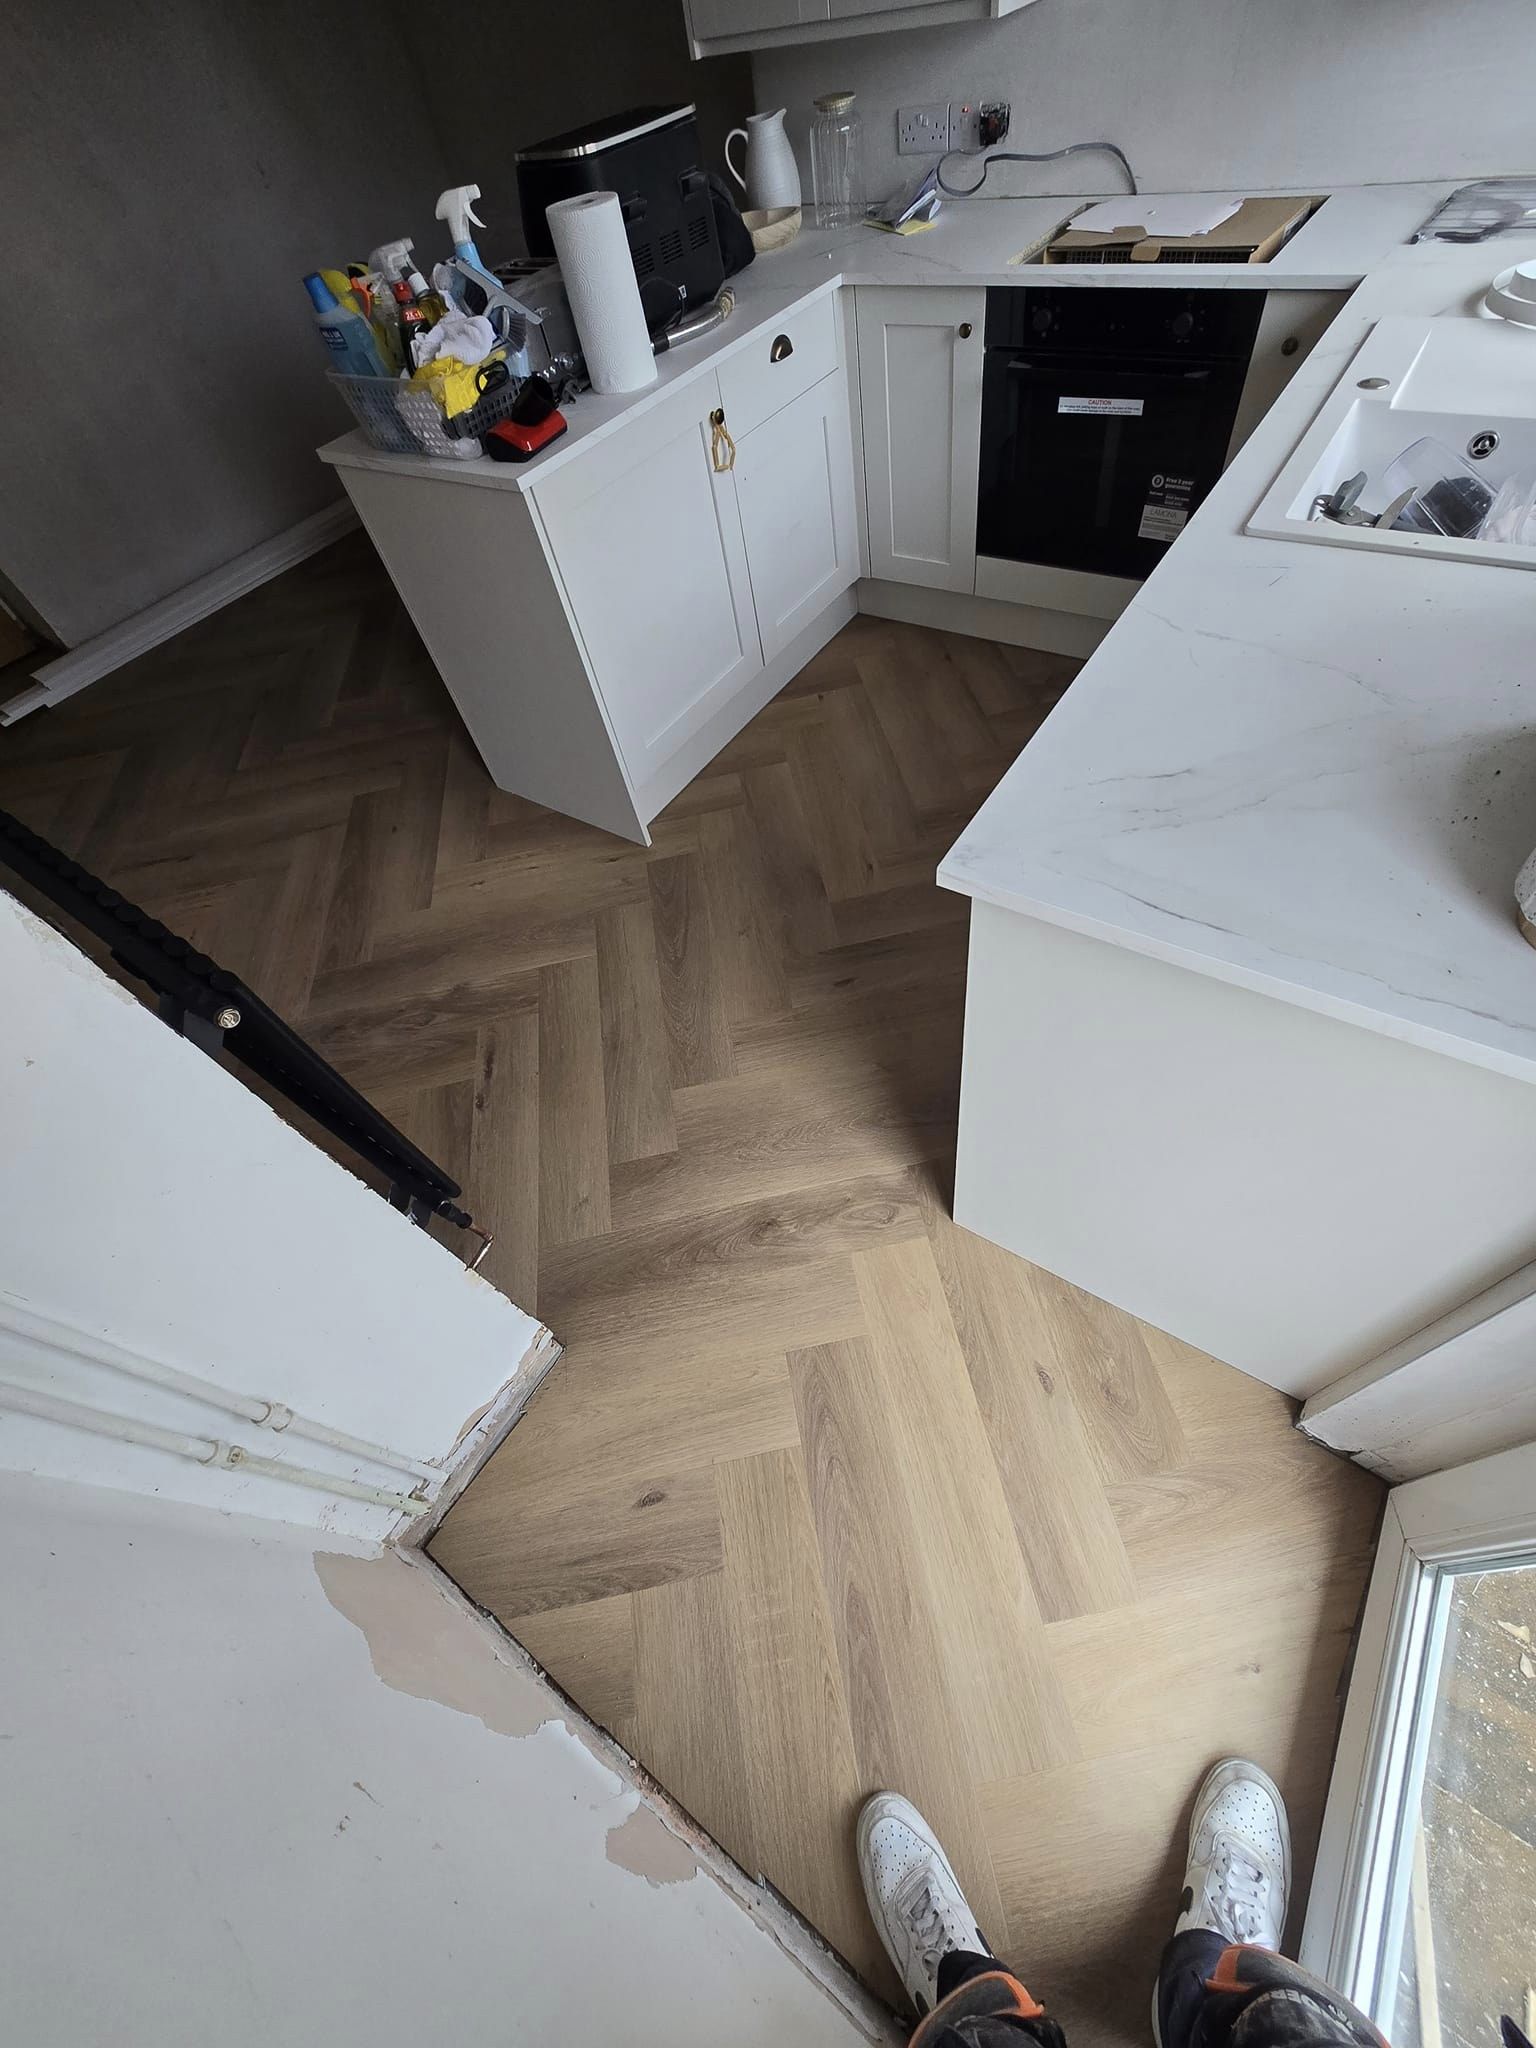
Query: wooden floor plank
(573,1118)
(792,1722)
(1064,1523)
(906,1736)
(637,1086)
(693,998)
(590,1652)
(691,1735)
(1010,1712)
(504,1153)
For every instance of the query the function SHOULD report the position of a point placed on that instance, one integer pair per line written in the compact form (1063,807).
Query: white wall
(252,1795)
(150,1198)
(1203,93)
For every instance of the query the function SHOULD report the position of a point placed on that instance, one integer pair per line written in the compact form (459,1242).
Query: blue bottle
(346,334)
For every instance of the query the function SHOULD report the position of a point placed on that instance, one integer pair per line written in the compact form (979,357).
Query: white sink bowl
(1452,380)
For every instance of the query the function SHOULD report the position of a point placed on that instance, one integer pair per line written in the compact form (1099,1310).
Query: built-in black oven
(1105,417)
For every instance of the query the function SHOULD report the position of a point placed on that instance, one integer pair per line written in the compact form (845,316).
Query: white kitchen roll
(599,275)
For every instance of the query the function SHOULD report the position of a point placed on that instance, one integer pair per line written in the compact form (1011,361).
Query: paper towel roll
(599,275)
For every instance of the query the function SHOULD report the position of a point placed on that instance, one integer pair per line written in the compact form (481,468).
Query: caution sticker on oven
(1105,408)
(1166,511)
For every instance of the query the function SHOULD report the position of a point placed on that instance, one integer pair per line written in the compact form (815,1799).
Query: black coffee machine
(650,157)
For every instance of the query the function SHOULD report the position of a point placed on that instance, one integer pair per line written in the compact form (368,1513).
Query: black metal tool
(217,1011)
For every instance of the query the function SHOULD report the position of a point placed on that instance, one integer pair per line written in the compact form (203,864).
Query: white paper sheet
(1182,214)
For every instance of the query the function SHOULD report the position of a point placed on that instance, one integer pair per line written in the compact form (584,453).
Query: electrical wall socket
(923,131)
(978,124)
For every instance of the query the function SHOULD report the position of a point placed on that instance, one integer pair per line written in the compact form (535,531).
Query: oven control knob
(1040,320)
(1182,325)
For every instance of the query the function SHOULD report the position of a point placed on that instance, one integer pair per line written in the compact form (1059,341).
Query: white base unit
(1288,1192)
(606,631)
(920,358)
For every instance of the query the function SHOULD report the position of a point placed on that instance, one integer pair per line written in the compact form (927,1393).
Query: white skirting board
(93,659)
(983,618)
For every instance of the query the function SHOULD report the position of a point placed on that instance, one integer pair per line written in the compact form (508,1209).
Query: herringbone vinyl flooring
(826,1494)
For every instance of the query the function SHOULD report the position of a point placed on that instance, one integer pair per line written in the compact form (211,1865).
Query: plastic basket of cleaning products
(404,419)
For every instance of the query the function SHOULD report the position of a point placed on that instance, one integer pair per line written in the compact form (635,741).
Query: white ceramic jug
(773,176)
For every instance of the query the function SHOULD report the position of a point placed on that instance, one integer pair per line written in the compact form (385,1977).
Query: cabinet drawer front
(753,386)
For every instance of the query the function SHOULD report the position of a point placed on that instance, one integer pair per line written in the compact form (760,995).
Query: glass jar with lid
(837,171)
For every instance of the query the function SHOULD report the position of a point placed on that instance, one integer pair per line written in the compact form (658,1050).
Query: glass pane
(1469,1921)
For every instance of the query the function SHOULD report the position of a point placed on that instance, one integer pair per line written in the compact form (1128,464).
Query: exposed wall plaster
(413,1622)
(647,1846)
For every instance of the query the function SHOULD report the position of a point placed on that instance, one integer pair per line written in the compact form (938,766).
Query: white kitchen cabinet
(647,539)
(606,625)
(716,26)
(795,487)
(920,358)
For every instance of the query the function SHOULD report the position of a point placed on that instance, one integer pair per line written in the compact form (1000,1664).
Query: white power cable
(274,1415)
(201,1450)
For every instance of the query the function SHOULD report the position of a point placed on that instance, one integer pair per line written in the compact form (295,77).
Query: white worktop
(1308,771)
(974,242)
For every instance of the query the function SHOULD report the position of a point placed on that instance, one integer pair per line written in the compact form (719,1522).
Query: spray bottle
(469,282)
(454,207)
(391,258)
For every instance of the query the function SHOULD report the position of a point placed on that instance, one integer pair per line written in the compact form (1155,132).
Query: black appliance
(1105,419)
(650,157)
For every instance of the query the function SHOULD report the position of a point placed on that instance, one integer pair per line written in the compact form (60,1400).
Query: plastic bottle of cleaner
(474,288)
(345,332)
(391,258)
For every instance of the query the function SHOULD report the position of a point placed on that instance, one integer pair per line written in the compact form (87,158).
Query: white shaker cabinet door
(920,351)
(794,482)
(646,538)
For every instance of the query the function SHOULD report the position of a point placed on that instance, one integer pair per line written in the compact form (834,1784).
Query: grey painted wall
(169,174)
(584,60)
(1204,93)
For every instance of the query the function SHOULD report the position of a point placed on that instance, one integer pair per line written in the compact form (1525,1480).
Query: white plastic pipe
(275,1415)
(201,1450)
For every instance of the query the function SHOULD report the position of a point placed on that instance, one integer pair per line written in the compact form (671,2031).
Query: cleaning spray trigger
(454,206)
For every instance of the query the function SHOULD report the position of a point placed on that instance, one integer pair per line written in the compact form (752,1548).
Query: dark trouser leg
(1209,1989)
(982,2006)
(1188,1961)
(960,1966)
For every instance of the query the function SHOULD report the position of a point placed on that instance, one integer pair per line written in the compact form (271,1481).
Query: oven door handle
(1063,374)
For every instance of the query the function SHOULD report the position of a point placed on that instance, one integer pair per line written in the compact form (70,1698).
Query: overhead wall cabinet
(717,26)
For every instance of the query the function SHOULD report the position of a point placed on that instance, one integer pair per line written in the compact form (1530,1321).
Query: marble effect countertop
(1307,771)
(971,244)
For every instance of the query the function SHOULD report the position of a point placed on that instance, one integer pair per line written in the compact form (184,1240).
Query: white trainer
(1238,1877)
(914,1897)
